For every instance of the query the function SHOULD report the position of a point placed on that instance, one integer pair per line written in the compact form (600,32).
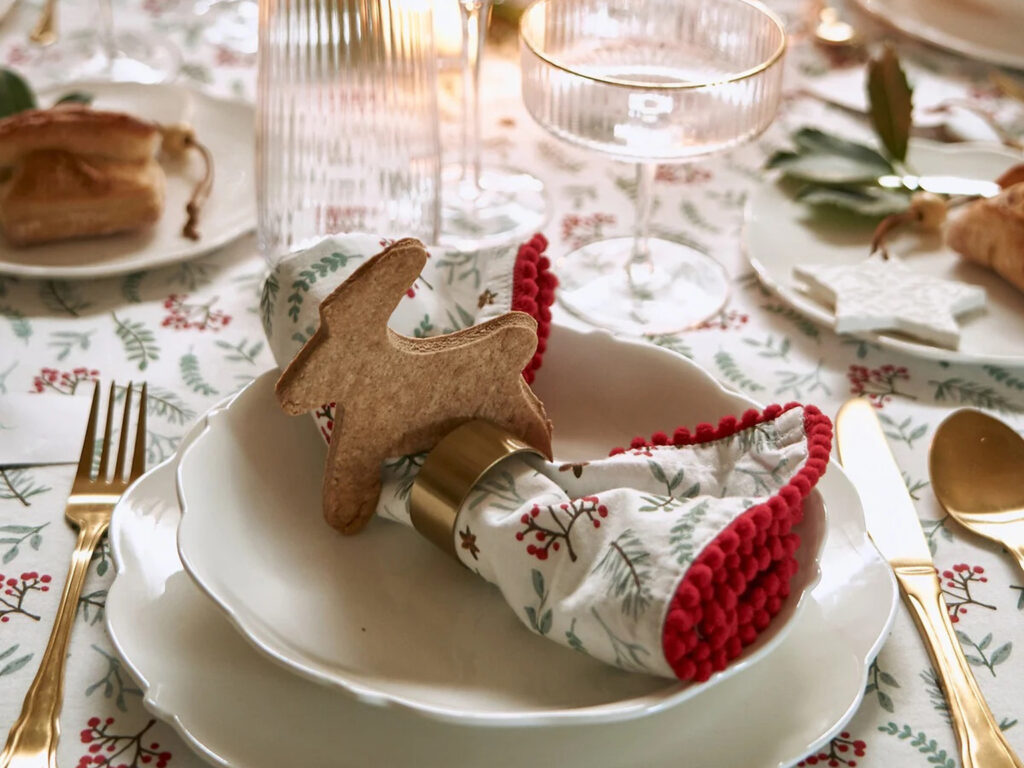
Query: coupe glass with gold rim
(652,82)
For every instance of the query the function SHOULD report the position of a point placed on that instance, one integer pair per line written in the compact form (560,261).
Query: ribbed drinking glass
(347,129)
(651,82)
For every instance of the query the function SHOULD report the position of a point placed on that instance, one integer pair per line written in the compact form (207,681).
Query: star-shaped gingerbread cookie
(397,395)
(881,294)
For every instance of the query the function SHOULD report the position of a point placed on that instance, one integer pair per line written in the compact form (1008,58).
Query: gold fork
(45,31)
(32,742)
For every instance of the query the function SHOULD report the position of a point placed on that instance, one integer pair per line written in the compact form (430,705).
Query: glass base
(509,207)
(678,289)
(138,58)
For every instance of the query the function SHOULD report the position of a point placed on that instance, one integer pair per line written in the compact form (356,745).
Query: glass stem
(107,39)
(645,173)
(475,14)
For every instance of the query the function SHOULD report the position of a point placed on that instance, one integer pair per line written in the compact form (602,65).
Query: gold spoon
(976,466)
(45,31)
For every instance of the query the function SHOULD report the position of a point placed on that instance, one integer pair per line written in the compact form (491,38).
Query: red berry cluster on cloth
(741,578)
(533,292)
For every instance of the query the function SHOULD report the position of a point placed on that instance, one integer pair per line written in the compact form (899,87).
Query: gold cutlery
(976,466)
(45,31)
(32,742)
(892,522)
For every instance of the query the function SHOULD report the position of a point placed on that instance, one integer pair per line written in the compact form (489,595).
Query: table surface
(55,335)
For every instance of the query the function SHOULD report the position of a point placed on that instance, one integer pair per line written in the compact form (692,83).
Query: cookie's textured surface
(396,395)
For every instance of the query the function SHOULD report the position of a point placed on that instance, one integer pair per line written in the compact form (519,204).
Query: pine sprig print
(693,215)
(802,324)
(626,566)
(627,655)
(67,341)
(20,326)
(681,534)
(162,403)
(936,756)
(18,484)
(933,527)
(966,392)
(732,372)
(139,343)
(935,695)
(131,287)
(63,297)
(802,384)
(463,320)
(308,277)
(673,343)
(188,365)
(498,491)
(1004,376)
(771,348)
(268,298)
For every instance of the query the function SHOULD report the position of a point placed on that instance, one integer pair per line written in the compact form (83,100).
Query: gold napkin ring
(449,473)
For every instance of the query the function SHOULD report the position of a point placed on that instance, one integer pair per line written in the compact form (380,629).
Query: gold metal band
(449,473)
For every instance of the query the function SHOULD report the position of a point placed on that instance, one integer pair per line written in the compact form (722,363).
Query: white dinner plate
(781,232)
(237,709)
(226,127)
(386,617)
(986,30)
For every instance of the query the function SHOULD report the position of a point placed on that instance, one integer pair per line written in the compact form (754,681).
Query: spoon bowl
(976,466)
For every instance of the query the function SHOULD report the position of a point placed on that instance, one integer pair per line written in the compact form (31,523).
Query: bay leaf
(15,94)
(870,202)
(890,99)
(824,168)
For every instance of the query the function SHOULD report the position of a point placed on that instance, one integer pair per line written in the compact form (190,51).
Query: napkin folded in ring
(666,558)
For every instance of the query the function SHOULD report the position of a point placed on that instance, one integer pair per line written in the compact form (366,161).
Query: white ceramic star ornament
(881,294)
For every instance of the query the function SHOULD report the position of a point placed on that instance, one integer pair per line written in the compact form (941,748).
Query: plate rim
(242,223)
(922,31)
(826,319)
(670,695)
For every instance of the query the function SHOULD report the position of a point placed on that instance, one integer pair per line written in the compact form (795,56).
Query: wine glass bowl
(651,81)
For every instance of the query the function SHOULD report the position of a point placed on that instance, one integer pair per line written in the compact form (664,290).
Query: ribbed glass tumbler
(347,129)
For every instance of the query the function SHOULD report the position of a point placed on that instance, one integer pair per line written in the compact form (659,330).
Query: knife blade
(888,509)
(941,185)
(893,525)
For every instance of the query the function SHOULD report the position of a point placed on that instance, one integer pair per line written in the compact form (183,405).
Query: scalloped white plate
(385,617)
(780,232)
(237,709)
(225,126)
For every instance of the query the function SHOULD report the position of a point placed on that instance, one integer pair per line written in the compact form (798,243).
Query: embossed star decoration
(397,395)
(881,294)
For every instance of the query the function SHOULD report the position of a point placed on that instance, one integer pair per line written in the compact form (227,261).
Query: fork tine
(139,457)
(105,452)
(85,460)
(122,443)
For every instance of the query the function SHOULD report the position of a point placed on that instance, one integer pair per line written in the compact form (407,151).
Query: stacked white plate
(404,658)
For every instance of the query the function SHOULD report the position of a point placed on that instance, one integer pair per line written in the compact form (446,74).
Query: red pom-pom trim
(533,292)
(740,580)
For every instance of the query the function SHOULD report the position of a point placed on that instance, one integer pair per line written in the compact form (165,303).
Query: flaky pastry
(991,233)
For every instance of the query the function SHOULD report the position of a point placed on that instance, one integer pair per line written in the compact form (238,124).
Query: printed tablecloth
(193,332)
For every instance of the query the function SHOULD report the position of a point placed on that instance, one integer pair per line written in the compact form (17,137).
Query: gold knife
(894,527)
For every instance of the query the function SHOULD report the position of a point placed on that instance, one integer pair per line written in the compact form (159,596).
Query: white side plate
(781,232)
(226,127)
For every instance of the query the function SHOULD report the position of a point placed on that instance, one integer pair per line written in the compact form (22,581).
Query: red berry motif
(124,750)
(957,587)
(554,523)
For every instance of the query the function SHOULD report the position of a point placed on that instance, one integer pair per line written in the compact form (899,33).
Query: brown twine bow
(177,140)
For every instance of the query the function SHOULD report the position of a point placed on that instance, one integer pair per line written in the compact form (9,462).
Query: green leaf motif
(75,97)
(1004,376)
(732,373)
(14,665)
(1001,654)
(20,326)
(626,566)
(15,94)
(312,274)
(538,582)
(139,342)
(545,622)
(890,99)
(268,297)
(193,378)
(681,534)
